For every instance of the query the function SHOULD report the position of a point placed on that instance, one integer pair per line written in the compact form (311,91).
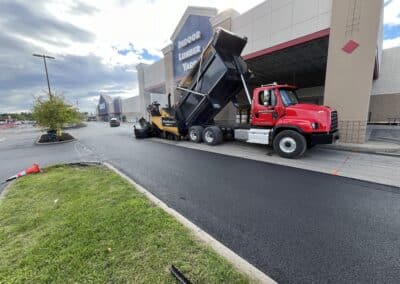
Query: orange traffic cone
(31,170)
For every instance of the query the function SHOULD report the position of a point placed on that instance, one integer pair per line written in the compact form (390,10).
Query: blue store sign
(188,45)
(102,107)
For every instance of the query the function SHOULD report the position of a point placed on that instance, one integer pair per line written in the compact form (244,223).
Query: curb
(238,262)
(387,140)
(391,153)
(5,189)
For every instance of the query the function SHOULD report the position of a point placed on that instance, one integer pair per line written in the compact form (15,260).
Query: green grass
(86,224)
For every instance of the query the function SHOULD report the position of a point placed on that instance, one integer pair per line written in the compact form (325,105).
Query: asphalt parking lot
(296,223)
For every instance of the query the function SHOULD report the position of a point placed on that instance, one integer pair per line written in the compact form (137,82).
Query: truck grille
(334,120)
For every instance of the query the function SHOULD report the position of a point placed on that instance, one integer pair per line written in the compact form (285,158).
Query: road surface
(297,226)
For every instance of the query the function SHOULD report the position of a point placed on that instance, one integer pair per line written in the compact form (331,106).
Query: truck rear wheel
(212,135)
(290,144)
(195,133)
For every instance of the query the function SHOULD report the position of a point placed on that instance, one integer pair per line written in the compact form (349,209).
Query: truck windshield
(289,97)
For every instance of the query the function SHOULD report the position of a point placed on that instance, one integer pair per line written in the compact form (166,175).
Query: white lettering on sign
(188,65)
(189,53)
(188,40)
(102,106)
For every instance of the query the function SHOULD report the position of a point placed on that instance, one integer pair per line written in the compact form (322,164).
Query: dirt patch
(50,138)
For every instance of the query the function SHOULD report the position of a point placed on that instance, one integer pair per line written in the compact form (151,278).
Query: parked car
(91,118)
(114,122)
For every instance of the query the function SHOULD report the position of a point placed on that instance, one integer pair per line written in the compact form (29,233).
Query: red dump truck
(276,117)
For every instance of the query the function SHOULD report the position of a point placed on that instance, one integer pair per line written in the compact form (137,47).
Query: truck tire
(141,133)
(195,133)
(290,144)
(143,129)
(212,135)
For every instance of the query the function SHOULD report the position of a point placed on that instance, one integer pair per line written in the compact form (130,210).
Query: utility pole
(45,67)
(77,102)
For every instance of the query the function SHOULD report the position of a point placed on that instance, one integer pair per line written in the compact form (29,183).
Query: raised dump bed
(213,82)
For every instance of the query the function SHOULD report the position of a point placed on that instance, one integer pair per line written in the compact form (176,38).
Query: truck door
(264,104)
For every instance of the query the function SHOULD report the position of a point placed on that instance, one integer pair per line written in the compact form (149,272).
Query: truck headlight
(314,125)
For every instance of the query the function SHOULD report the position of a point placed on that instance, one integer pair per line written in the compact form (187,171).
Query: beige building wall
(385,108)
(224,19)
(276,21)
(385,98)
(169,73)
(144,96)
(349,76)
(388,81)
(131,108)
(154,74)
(149,77)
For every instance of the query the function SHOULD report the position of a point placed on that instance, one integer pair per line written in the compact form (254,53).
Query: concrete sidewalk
(368,167)
(371,147)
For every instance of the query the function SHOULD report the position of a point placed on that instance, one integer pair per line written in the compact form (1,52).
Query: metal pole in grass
(45,67)
(179,275)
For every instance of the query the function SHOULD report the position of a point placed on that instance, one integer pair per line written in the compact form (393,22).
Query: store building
(385,99)
(105,108)
(130,111)
(331,50)
(124,109)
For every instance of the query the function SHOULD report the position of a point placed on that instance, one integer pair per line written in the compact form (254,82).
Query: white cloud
(146,24)
(389,43)
(392,18)
(392,12)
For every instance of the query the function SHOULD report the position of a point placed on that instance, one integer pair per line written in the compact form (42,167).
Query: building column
(169,73)
(144,97)
(352,50)
(224,20)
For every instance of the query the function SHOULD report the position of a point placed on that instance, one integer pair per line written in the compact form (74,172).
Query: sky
(97,44)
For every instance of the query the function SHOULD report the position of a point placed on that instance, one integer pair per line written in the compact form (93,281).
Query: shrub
(54,113)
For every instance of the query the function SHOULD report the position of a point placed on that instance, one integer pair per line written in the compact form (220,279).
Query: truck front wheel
(195,133)
(212,135)
(290,144)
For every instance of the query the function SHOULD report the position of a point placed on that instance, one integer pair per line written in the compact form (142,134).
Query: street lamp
(45,67)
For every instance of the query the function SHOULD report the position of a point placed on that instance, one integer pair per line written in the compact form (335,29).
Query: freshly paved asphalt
(297,226)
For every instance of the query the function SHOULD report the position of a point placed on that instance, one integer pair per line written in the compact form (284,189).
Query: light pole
(45,67)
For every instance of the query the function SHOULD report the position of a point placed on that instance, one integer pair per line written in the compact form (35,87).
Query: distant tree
(16,116)
(26,116)
(54,113)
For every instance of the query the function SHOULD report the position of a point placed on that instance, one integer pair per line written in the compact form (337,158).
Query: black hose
(179,276)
